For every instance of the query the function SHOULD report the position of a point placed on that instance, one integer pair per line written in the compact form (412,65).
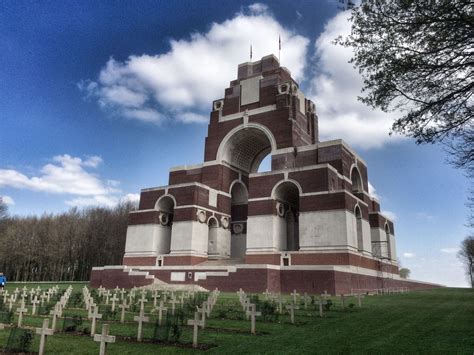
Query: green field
(432,322)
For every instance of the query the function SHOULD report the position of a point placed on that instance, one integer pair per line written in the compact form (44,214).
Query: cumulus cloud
(449,250)
(409,255)
(132,197)
(7,200)
(373,192)
(68,175)
(181,83)
(390,215)
(335,88)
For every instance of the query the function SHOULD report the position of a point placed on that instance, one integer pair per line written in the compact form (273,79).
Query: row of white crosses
(249,308)
(205,309)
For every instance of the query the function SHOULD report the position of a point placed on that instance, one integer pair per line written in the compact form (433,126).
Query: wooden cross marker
(107,295)
(104,339)
(140,319)
(291,308)
(123,307)
(34,302)
(114,299)
(44,332)
(94,316)
(280,305)
(359,297)
(195,323)
(343,301)
(122,293)
(155,296)
(253,313)
(266,294)
(10,303)
(202,310)
(305,300)
(161,309)
(325,294)
(42,298)
(21,311)
(5,296)
(173,302)
(295,296)
(56,314)
(321,302)
(142,300)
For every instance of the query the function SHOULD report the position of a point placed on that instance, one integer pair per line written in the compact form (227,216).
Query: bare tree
(466,254)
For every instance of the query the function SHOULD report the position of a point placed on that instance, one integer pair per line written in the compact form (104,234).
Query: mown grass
(428,322)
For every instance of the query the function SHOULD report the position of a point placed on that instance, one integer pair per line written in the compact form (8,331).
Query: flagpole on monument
(250,52)
(279,48)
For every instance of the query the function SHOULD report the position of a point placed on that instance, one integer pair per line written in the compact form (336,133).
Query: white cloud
(449,250)
(424,216)
(67,175)
(101,200)
(7,200)
(182,83)
(390,215)
(373,192)
(409,255)
(258,8)
(335,88)
(132,197)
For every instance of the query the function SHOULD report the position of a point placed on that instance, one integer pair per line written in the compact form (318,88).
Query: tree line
(62,247)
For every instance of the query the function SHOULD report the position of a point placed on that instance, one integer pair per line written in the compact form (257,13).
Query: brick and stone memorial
(312,208)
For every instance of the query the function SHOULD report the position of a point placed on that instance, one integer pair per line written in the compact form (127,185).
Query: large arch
(287,197)
(245,146)
(356,179)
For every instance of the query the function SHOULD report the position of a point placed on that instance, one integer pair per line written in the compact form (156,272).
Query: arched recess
(287,197)
(165,205)
(213,228)
(356,178)
(239,213)
(358,216)
(387,237)
(246,146)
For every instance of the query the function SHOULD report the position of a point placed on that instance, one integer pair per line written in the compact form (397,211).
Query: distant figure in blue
(3,280)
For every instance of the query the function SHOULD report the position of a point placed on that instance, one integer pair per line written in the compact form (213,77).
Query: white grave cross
(44,332)
(104,339)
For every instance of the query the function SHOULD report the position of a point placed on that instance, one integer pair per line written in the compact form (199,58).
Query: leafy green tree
(466,254)
(416,58)
(404,273)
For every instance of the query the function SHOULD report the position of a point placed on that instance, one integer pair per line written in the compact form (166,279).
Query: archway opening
(246,149)
(356,181)
(387,237)
(165,206)
(213,226)
(239,213)
(358,216)
(287,196)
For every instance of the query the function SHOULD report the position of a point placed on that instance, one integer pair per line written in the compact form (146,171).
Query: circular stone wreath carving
(201,215)
(237,228)
(164,218)
(280,207)
(225,222)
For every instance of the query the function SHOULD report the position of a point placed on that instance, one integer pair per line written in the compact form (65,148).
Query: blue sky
(99,99)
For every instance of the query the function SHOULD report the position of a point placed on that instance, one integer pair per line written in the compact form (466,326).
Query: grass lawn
(431,322)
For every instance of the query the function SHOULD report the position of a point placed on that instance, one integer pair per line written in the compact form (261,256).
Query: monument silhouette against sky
(308,224)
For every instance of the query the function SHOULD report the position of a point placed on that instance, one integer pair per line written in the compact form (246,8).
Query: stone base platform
(254,278)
